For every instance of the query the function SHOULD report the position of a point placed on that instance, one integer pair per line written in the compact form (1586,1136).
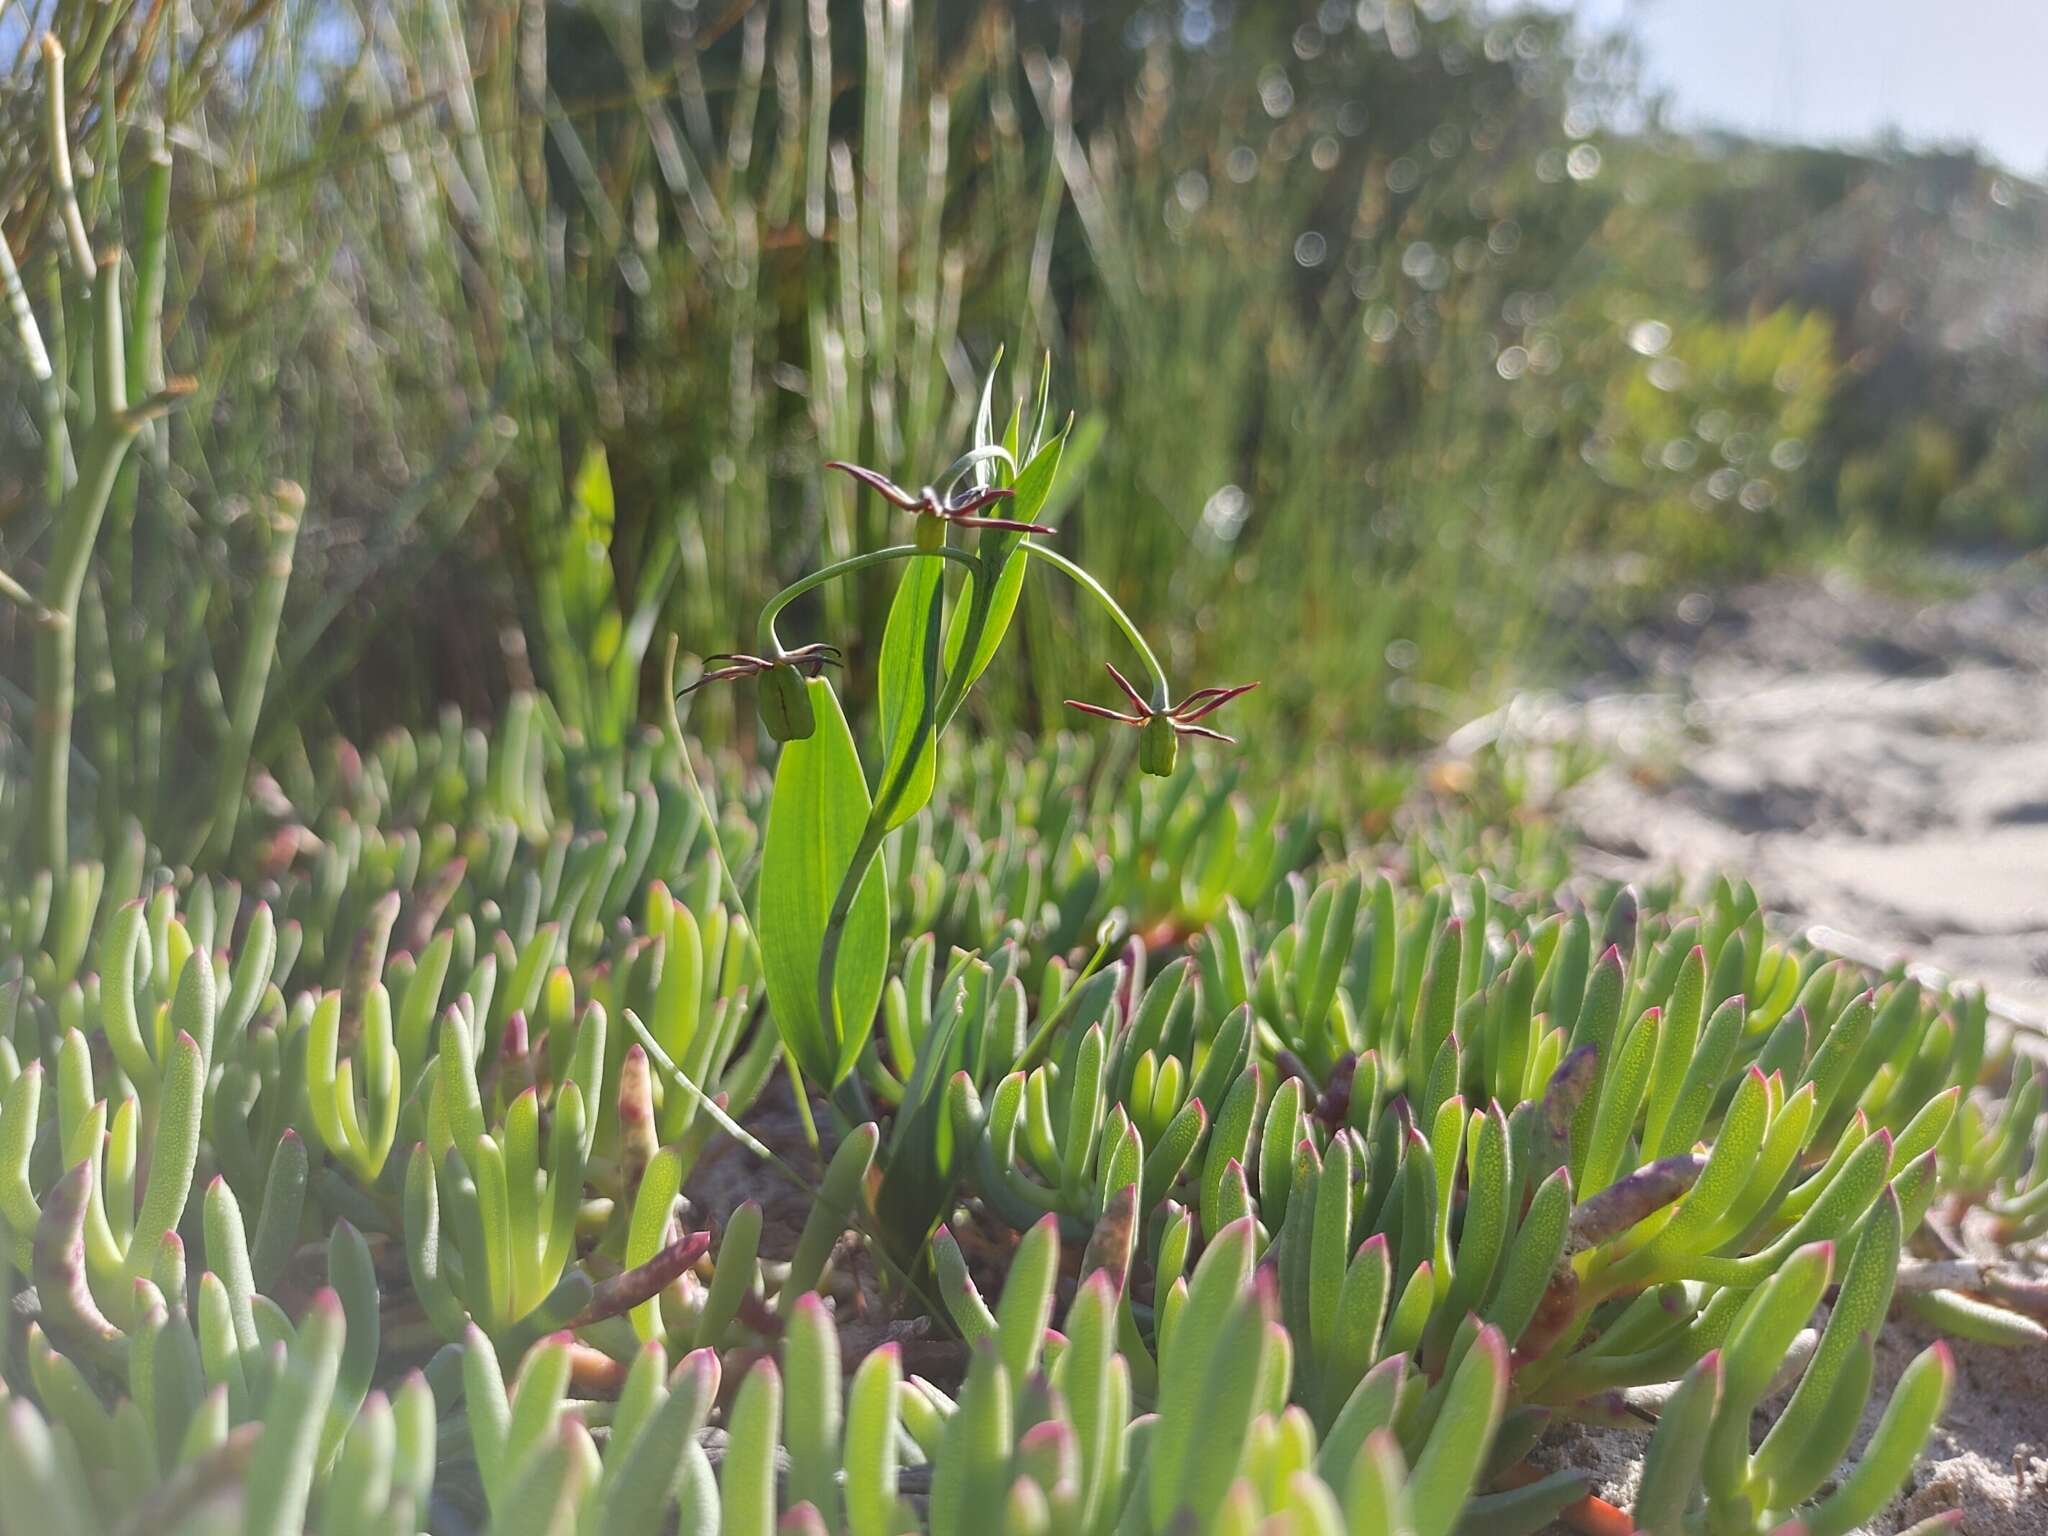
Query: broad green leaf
(815,820)
(907,685)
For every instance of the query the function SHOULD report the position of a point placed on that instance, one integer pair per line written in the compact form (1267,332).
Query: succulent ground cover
(1227,1175)
(1253,1183)
(1263,1182)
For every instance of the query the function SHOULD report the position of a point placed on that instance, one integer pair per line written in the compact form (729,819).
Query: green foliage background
(1407,345)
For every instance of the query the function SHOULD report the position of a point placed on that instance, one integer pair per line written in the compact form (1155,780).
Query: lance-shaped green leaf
(907,681)
(1727,1172)
(354,1281)
(812,1427)
(1927,1127)
(1963,1316)
(1489,1191)
(1085,1378)
(816,817)
(1026,1304)
(1770,1320)
(174,1154)
(1462,1437)
(39,1476)
(1174,1151)
(1677,1038)
(1411,1312)
(283,1205)
(957,1290)
(1910,1416)
(1436,1007)
(20,1108)
(1622,1088)
(281,1476)
(1229,1141)
(1361,1310)
(1526,1510)
(1329,1246)
(1276,1151)
(1839,1049)
(1804,1466)
(970,1473)
(1197,1448)
(837,1194)
(733,1276)
(870,1459)
(1839,1207)
(1671,1465)
(164,1372)
(1219,1280)
(648,1230)
(1701,1085)
(1532,1258)
(1319,962)
(426,1261)
(1376,1497)
(550,1484)
(1293,1246)
(486,1404)
(1084,1110)
(534,1411)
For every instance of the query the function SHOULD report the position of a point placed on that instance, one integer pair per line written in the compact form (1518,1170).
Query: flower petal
(880,484)
(1105,714)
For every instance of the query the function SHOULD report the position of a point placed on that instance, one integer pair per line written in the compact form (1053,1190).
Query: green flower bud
(1158,746)
(784,699)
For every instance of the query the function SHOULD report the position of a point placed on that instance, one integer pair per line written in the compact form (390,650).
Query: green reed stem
(772,645)
(287,512)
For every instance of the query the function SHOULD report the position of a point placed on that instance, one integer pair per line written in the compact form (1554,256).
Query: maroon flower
(734,665)
(784,699)
(960,508)
(1182,716)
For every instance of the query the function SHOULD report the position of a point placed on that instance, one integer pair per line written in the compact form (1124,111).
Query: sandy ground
(1875,765)
(1878,767)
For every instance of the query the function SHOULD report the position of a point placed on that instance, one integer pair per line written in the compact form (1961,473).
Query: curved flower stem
(796,589)
(1162,697)
(672,731)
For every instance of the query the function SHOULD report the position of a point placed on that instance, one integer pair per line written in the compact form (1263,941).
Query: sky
(1842,71)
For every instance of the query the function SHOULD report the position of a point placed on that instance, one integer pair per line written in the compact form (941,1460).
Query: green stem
(1162,697)
(672,729)
(772,646)
(288,505)
(83,508)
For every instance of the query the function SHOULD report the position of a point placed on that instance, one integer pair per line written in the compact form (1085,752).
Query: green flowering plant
(823,917)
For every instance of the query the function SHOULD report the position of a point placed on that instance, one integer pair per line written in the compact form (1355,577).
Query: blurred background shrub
(1408,345)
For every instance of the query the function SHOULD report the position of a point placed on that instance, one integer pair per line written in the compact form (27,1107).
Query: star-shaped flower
(1182,716)
(961,508)
(734,665)
(784,698)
